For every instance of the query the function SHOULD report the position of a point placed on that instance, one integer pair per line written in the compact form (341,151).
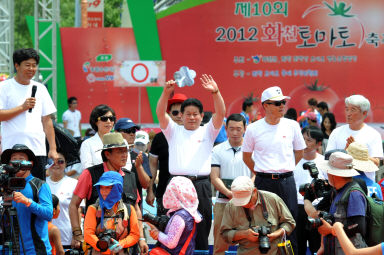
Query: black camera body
(315,223)
(264,243)
(8,181)
(74,252)
(318,187)
(159,221)
(105,239)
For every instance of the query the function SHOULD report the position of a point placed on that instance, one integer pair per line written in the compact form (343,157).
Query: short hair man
(33,204)
(158,156)
(190,147)
(250,208)
(313,137)
(340,172)
(356,110)
(127,128)
(115,156)
(72,117)
(277,145)
(247,107)
(227,163)
(322,108)
(20,126)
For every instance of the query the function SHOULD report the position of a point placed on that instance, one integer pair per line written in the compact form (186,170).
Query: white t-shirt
(190,150)
(231,164)
(273,145)
(302,175)
(73,120)
(63,189)
(27,127)
(367,135)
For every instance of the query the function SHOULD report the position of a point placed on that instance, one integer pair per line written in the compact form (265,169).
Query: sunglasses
(60,161)
(106,118)
(175,113)
(128,131)
(277,103)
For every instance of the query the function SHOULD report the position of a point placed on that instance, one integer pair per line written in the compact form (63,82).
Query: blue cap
(110,178)
(125,123)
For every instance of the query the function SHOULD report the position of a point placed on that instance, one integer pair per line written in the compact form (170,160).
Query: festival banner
(328,50)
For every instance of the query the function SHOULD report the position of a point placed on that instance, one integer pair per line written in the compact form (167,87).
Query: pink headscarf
(181,194)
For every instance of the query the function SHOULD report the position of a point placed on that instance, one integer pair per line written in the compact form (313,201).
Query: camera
(318,187)
(8,181)
(74,252)
(315,223)
(105,239)
(264,244)
(159,221)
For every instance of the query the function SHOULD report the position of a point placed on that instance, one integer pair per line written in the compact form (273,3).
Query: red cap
(177,98)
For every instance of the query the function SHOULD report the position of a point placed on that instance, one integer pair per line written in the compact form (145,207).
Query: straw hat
(361,160)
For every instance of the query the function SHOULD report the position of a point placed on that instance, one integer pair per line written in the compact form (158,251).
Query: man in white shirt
(356,110)
(272,147)
(190,147)
(227,164)
(72,118)
(26,119)
(313,136)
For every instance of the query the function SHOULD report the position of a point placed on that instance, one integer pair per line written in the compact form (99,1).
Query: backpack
(374,216)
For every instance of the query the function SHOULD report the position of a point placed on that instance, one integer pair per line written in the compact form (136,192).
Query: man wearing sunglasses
(158,156)
(190,147)
(272,147)
(33,203)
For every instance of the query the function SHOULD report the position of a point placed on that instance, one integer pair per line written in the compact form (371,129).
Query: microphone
(34,88)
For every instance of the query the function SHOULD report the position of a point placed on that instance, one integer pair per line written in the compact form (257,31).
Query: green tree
(112,13)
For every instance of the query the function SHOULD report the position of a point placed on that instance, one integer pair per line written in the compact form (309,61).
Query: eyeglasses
(60,161)
(277,103)
(175,113)
(131,130)
(106,118)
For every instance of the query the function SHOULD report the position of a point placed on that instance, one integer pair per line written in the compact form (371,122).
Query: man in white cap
(348,206)
(250,208)
(272,147)
(356,111)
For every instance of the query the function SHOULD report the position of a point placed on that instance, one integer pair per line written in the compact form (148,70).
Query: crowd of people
(285,183)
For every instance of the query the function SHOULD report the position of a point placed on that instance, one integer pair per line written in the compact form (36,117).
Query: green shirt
(235,219)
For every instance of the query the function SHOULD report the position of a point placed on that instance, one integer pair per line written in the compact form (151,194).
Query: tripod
(11,229)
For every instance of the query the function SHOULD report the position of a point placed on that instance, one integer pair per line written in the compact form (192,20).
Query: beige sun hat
(361,160)
(242,188)
(339,164)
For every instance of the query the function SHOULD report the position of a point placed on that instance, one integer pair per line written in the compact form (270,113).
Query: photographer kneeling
(33,203)
(110,225)
(255,219)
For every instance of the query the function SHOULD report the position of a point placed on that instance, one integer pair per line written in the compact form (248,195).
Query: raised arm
(11,113)
(210,85)
(161,109)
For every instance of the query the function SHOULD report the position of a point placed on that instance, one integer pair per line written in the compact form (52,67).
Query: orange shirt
(90,225)
(50,225)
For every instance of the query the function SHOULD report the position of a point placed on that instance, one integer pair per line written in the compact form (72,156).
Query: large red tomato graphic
(301,94)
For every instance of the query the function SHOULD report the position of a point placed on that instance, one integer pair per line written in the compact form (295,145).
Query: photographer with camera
(110,225)
(33,203)
(313,137)
(179,235)
(348,206)
(255,219)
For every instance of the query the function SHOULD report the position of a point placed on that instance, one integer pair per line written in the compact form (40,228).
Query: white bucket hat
(339,164)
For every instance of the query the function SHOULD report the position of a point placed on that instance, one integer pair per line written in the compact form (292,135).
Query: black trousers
(38,169)
(204,194)
(303,234)
(285,188)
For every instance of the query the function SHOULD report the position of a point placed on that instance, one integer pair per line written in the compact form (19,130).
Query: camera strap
(265,212)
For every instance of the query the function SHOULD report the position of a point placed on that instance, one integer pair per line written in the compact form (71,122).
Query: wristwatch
(30,201)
